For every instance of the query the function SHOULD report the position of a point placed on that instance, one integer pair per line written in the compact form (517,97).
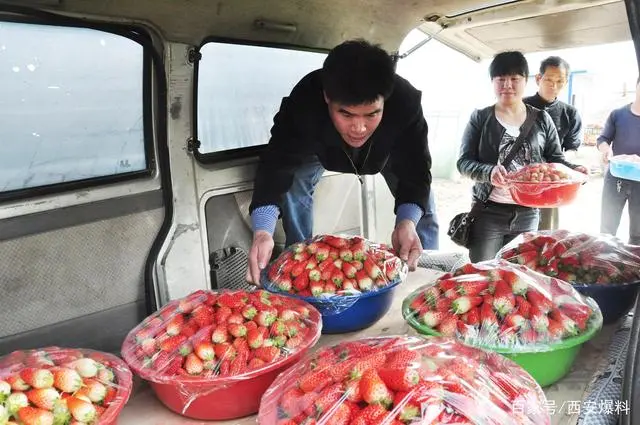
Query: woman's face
(509,89)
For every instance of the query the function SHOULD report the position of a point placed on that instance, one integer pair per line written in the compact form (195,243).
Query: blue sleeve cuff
(409,212)
(265,218)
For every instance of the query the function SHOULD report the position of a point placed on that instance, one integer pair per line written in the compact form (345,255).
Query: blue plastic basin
(346,313)
(615,300)
(624,169)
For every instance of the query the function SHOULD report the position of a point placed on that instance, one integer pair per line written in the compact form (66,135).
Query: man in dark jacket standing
(552,78)
(355,115)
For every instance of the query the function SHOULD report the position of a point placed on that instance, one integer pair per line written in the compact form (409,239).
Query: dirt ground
(453,197)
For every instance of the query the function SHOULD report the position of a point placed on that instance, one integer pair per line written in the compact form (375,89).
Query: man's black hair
(509,63)
(555,61)
(357,72)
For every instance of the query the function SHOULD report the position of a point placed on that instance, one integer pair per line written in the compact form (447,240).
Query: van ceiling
(478,28)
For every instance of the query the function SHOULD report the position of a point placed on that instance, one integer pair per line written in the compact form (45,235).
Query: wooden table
(144,409)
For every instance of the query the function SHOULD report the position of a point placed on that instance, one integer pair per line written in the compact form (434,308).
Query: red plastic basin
(13,363)
(221,398)
(544,195)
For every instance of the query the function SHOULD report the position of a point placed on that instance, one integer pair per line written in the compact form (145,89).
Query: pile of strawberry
(575,257)
(61,386)
(542,173)
(209,334)
(500,304)
(403,380)
(331,265)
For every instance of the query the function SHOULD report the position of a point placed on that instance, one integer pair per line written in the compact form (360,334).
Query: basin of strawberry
(211,355)
(348,279)
(55,385)
(538,321)
(403,380)
(599,266)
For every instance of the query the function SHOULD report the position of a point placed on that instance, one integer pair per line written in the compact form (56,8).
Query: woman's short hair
(509,63)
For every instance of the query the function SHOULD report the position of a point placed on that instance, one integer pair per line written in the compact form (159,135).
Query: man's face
(551,83)
(356,123)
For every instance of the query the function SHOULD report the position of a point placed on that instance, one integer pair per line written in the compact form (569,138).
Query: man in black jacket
(355,115)
(552,78)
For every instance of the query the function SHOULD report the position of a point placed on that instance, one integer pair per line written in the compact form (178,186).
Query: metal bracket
(192,144)
(193,56)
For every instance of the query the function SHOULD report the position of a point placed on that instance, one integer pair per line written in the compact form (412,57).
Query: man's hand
(498,176)
(406,243)
(582,169)
(605,152)
(259,255)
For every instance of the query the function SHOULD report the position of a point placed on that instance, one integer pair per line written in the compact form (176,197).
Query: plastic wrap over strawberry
(334,271)
(210,341)
(502,306)
(576,257)
(55,385)
(404,380)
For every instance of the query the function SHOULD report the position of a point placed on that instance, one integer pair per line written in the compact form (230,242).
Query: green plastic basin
(547,365)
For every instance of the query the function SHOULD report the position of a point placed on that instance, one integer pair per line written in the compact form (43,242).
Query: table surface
(144,409)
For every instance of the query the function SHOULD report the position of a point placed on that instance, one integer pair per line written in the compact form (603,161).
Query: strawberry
(301,282)
(472,287)
(250,325)
(232,300)
(256,337)
(235,319)
(317,288)
(352,391)
(172,343)
(81,410)
(504,303)
(349,285)
(203,316)
(357,265)
(174,327)
(529,336)
(472,317)
(570,326)
(448,326)
(370,415)
(338,264)
(110,396)
(374,390)
(399,379)
(358,366)
(322,252)
(37,378)
(311,264)
(556,329)
(358,250)
(337,277)
(365,283)
(335,241)
(315,381)
(514,321)
(340,415)
(328,398)
(330,288)
(249,312)
(193,365)
(539,300)
(371,268)
(539,321)
(268,354)
(403,358)
(465,303)
(15,401)
(96,391)
(488,316)
(224,351)
(391,270)
(346,255)
(204,350)
(222,314)
(443,304)
(433,318)
(238,365)
(34,416)
(237,330)
(255,363)
(579,313)
(220,335)
(44,398)
(294,342)
(523,307)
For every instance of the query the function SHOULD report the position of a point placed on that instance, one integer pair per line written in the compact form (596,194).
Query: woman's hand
(498,176)
(582,169)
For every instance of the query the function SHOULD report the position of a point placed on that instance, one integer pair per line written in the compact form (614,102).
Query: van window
(71,106)
(240,88)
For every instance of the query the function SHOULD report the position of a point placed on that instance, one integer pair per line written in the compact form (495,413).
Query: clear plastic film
(211,341)
(404,380)
(503,307)
(333,272)
(576,257)
(55,385)
(544,185)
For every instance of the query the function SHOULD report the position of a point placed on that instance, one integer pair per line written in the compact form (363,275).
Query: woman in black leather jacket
(486,142)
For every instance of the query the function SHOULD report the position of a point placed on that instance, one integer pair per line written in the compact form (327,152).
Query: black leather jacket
(481,140)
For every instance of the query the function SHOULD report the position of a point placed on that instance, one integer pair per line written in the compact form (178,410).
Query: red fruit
(235,318)
(335,241)
(569,325)
(365,283)
(224,351)
(504,303)
(238,365)
(443,304)
(330,288)
(399,379)
(37,378)
(328,398)
(220,334)
(301,282)
(465,303)
(172,343)
(370,415)
(403,358)
(339,416)
(346,255)
(317,288)
(523,307)
(472,317)
(322,253)
(374,390)
(249,312)
(237,330)
(472,287)
(174,327)
(193,365)
(487,315)
(337,277)
(556,329)
(448,326)
(203,316)
(35,416)
(255,363)
(268,354)
(204,350)
(250,325)
(222,315)
(372,269)
(294,342)
(579,313)
(433,318)
(539,300)
(256,337)
(357,265)
(44,398)
(67,380)
(298,269)
(232,300)
(352,391)
(81,410)
(315,381)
